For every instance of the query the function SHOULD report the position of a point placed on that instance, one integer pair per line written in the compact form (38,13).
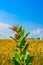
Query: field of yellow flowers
(6,51)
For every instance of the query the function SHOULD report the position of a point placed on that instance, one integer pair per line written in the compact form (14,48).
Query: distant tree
(38,38)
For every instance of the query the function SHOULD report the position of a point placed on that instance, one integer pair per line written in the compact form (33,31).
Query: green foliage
(21,57)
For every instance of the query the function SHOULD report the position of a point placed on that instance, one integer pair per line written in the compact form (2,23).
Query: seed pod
(16,36)
(15,28)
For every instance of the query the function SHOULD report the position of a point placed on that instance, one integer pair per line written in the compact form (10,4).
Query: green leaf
(13,38)
(29,59)
(25,48)
(26,35)
(15,61)
(21,42)
(26,55)
(21,31)
(16,52)
(10,28)
(17,55)
(22,57)
(30,63)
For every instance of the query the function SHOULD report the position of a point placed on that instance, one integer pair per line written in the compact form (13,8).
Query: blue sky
(28,13)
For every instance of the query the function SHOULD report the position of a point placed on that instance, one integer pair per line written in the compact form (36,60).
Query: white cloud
(36,32)
(3,25)
(5,32)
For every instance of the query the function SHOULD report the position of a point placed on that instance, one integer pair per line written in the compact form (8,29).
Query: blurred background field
(6,51)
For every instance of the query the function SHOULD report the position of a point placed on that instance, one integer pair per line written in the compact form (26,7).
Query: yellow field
(6,51)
